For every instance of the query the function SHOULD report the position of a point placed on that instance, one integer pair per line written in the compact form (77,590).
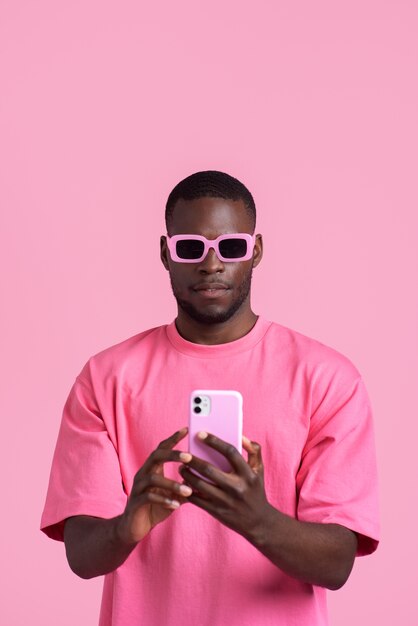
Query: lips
(210,290)
(210,287)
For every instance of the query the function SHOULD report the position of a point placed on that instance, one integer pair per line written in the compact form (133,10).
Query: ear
(164,251)
(258,250)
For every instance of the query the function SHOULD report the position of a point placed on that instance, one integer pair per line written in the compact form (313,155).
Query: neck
(236,327)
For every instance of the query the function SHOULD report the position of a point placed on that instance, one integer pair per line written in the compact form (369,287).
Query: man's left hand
(237,499)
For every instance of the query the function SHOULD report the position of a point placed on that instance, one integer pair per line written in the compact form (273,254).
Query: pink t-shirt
(306,405)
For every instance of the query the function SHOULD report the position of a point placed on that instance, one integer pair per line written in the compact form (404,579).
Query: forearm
(94,546)
(319,554)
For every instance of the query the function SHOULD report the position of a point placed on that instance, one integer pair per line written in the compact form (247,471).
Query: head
(211,204)
(210,184)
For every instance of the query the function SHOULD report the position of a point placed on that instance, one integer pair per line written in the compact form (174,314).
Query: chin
(211,314)
(215,313)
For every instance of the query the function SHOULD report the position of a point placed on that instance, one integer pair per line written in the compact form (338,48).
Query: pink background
(104,107)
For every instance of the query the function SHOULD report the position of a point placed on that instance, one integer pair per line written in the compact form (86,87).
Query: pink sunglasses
(194,248)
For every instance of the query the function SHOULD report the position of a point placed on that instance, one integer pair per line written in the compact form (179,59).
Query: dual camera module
(197,401)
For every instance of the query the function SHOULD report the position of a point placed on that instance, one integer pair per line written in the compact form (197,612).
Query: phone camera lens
(197,409)
(198,400)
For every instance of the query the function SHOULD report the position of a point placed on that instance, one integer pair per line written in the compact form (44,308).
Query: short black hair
(209,184)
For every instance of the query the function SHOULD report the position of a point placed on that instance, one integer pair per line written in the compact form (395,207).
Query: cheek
(179,278)
(239,274)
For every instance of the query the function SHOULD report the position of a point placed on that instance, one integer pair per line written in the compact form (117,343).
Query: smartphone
(218,412)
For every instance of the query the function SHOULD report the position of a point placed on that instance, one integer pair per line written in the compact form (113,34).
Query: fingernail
(185,490)
(202,434)
(185,457)
(173,503)
(244,438)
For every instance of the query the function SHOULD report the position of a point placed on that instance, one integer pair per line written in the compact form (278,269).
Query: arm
(319,554)
(94,546)
(97,546)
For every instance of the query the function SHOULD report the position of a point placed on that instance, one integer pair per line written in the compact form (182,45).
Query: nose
(211,263)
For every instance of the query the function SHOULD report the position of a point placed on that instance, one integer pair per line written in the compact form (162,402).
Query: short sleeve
(85,475)
(337,478)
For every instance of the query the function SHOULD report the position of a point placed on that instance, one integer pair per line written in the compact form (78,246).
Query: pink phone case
(221,415)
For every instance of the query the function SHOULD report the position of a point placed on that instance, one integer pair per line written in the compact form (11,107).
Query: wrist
(261,532)
(121,534)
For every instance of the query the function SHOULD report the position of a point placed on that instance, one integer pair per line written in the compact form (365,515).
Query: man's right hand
(153,496)
(97,546)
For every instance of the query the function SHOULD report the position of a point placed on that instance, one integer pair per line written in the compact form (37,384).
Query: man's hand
(97,546)
(236,499)
(315,553)
(153,497)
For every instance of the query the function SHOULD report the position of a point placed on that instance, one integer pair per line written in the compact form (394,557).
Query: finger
(255,460)
(162,455)
(246,444)
(171,441)
(205,489)
(157,481)
(229,451)
(202,503)
(155,498)
(152,497)
(225,481)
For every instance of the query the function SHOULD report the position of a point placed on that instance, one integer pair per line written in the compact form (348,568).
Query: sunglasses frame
(211,243)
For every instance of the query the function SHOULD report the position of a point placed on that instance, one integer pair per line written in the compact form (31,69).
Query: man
(180,541)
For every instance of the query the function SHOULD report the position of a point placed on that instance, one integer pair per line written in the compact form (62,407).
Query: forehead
(210,217)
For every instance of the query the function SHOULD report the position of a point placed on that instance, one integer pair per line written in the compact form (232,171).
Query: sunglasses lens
(190,249)
(233,248)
